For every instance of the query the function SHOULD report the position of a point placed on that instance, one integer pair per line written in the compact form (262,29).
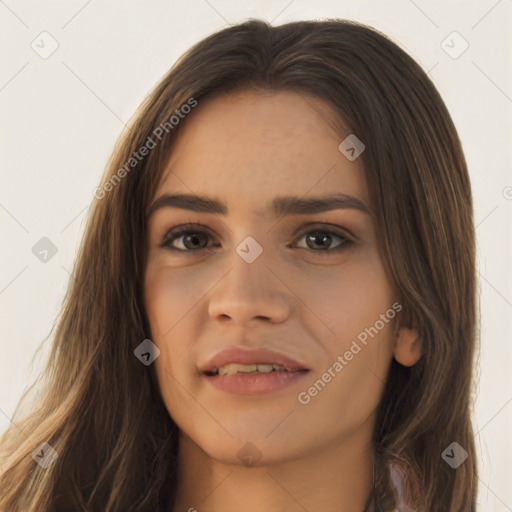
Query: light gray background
(62,115)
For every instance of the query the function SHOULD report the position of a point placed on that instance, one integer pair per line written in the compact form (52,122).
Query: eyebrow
(287,205)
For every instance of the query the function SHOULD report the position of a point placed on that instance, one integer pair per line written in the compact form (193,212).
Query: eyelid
(188,226)
(325,226)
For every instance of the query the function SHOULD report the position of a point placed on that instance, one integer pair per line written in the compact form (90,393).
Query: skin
(297,298)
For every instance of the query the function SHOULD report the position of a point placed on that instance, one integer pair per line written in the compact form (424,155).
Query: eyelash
(176,233)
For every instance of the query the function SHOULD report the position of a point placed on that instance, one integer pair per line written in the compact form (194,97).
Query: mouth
(255,369)
(253,382)
(253,379)
(235,360)
(251,372)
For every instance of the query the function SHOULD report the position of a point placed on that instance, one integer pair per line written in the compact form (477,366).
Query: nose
(251,291)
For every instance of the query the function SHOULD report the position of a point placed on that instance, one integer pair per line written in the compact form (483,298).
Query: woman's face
(254,280)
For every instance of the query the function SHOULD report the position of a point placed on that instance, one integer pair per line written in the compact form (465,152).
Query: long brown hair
(101,409)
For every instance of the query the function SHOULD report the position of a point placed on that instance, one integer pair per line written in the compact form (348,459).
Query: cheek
(355,307)
(173,305)
(166,303)
(363,338)
(168,297)
(165,300)
(347,301)
(358,346)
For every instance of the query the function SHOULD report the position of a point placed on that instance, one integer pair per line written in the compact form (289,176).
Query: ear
(407,349)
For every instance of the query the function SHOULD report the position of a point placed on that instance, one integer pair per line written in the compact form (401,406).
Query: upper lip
(252,356)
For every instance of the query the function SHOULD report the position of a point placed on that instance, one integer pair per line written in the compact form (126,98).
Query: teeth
(234,368)
(265,368)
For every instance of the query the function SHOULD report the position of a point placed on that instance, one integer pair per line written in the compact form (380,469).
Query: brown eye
(322,240)
(186,239)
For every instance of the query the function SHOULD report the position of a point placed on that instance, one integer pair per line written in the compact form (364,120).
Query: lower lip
(252,383)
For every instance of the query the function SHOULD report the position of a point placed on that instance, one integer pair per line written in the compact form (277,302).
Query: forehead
(250,147)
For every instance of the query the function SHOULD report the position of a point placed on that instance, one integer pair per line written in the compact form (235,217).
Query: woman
(273,307)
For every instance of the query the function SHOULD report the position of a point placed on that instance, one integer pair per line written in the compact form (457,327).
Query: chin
(256,450)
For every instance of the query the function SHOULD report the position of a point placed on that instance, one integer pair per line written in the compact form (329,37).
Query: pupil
(315,236)
(193,238)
